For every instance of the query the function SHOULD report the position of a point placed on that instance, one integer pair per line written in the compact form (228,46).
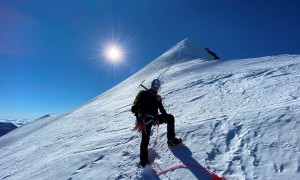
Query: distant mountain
(6,127)
(17,122)
(237,118)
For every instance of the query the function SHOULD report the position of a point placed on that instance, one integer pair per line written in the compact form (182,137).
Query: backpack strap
(135,107)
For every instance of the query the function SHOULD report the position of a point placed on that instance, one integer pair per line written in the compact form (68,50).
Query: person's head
(155,85)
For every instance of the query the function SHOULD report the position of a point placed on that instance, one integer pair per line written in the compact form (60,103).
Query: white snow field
(237,118)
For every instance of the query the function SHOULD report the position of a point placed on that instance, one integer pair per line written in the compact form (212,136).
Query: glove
(158,98)
(140,127)
(134,109)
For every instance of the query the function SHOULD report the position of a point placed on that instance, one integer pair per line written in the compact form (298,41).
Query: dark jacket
(149,103)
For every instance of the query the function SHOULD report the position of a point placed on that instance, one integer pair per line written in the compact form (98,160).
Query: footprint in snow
(80,168)
(96,161)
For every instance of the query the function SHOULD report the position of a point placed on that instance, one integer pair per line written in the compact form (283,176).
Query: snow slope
(239,118)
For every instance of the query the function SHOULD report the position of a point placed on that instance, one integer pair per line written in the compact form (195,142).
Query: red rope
(214,175)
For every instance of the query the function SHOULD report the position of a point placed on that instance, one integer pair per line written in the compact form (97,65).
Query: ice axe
(141,85)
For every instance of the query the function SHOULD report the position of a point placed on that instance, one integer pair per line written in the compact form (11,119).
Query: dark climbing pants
(169,119)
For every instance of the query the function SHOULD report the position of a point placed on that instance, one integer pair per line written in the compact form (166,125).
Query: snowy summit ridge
(237,118)
(183,51)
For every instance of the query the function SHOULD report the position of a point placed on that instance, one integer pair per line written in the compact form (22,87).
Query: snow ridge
(183,51)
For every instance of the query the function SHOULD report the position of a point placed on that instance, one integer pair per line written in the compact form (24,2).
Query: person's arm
(160,106)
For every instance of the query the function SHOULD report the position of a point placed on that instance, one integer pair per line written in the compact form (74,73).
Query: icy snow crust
(239,118)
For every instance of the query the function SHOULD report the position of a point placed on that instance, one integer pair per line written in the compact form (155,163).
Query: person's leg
(169,119)
(144,145)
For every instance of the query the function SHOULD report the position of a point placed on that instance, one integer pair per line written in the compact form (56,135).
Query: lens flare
(114,53)
(111,53)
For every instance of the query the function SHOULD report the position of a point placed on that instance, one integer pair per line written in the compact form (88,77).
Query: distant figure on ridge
(145,108)
(212,53)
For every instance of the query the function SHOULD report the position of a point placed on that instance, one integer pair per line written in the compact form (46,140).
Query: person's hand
(158,98)
(140,127)
(134,109)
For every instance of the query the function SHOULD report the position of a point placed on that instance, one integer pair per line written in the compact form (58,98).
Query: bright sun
(114,53)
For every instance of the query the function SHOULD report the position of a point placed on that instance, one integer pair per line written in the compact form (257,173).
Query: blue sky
(51,52)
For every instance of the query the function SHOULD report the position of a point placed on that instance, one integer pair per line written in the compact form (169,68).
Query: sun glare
(113,53)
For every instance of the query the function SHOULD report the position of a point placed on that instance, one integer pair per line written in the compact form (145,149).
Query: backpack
(136,104)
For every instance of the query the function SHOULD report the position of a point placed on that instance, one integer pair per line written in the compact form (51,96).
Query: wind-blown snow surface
(239,118)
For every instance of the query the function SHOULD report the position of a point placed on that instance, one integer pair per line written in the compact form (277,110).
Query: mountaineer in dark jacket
(146,111)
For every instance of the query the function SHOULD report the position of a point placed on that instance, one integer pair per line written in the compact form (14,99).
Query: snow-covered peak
(185,50)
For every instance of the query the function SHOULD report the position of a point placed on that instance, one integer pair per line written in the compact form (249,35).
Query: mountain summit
(185,50)
(182,52)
